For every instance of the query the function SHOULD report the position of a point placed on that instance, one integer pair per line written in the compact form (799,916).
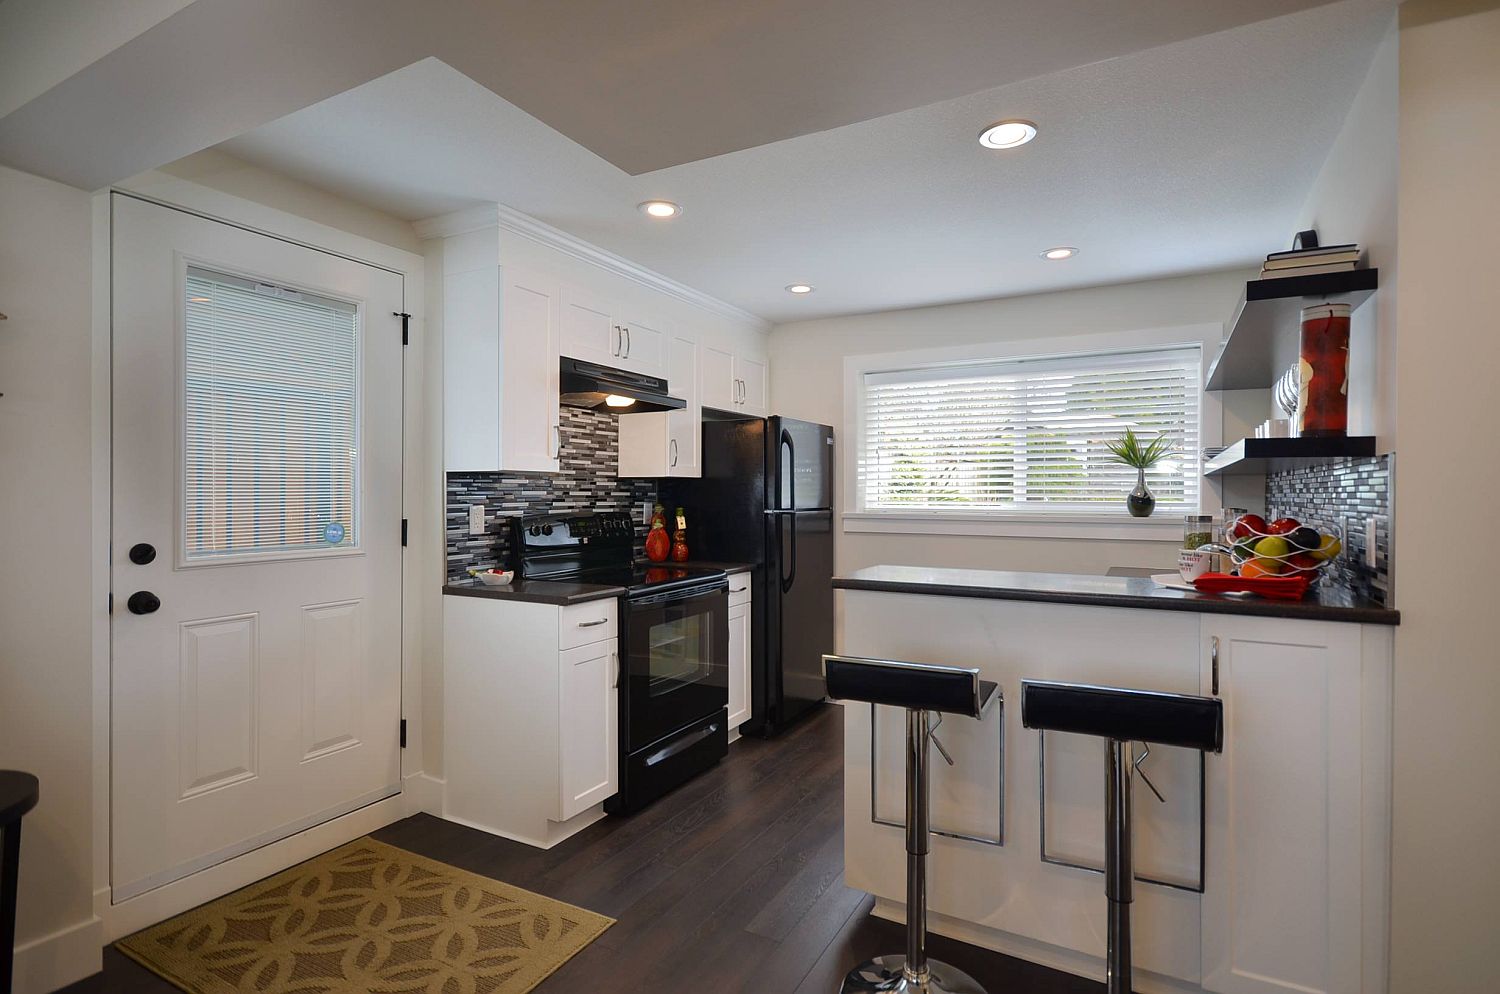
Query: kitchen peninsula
(1262,869)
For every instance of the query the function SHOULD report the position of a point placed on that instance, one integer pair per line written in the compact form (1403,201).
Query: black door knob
(142,553)
(143,602)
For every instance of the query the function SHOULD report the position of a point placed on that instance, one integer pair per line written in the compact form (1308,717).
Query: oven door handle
(679,597)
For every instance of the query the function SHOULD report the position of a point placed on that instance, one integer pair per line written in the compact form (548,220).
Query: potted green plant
(1130,450)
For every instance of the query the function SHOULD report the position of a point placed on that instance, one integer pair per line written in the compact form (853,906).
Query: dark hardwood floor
(732,883)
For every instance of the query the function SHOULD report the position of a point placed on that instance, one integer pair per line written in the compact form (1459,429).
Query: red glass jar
(1323,395)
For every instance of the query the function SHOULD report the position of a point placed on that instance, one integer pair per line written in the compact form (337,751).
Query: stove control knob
(535,530)
(546,529)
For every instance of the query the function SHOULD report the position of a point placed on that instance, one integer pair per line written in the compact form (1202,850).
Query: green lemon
(1273,547)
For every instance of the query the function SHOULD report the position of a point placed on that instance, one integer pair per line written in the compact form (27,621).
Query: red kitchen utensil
(1284,588)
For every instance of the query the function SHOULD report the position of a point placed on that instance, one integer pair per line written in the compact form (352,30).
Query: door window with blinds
(1027,435)
(271,401)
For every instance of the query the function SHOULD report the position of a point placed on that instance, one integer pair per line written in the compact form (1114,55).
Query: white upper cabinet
(734,379)
(599,330)
(500,390)
(589,330)
(645,346)
(667,443)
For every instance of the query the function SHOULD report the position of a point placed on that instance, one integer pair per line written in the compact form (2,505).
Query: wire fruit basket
(1284,547)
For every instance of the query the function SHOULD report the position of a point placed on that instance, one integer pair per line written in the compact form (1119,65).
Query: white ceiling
(1190,156)
(93,91)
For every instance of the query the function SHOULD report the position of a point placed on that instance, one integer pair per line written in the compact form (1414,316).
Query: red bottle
(1323,402)
(658,545)
(679,539)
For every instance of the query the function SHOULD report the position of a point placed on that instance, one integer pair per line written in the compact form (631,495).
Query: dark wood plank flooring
(734,882)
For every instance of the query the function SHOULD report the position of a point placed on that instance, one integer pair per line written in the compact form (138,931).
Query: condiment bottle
(679,539)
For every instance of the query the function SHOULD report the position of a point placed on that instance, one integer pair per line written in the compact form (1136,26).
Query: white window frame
(1023,524)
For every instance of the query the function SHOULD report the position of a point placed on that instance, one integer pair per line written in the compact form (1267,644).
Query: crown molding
(514,221)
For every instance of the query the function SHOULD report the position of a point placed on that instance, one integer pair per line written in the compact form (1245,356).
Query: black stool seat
(918,686)
(1120,713)
(18,795)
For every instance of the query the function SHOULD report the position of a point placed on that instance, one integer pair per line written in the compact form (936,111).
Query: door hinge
(403,733)
(405,326)
(403,532)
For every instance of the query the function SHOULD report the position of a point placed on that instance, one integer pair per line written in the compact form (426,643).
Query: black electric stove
(674,646)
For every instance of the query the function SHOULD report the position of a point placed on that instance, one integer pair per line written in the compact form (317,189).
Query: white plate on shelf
(1173,581)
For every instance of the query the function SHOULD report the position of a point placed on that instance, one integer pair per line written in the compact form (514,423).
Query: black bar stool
(1122,717)
(18,795)
(921,689)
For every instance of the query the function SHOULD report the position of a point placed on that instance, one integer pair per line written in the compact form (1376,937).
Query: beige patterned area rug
(368,918)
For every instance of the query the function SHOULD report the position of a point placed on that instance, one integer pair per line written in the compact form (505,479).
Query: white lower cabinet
(739,649)
(530,715)
(588,730)
(1295,875)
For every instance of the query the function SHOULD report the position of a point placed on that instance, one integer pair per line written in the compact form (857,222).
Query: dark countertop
(535,591)
(1322,604)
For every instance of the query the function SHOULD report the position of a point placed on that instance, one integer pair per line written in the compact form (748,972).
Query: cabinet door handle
(617,668)
(619,341)
(591,624)
(556,442)
(627,342)
(1213,658)
(674,452)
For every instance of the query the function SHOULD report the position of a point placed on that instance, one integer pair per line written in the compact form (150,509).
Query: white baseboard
(423,793)
(1032,951)
(59,959)
(215,881)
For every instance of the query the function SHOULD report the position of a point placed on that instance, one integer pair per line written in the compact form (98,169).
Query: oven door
(676,661)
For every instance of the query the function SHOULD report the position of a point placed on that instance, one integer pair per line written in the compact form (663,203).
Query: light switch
(476,519)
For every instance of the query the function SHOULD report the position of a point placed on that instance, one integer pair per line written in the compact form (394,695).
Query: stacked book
(1309,261)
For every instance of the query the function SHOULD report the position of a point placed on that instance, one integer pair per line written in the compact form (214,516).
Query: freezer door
(802,471)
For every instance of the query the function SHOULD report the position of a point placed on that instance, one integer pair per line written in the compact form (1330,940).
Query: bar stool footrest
(887,975)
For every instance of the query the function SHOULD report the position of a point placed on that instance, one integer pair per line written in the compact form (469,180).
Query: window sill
(1091,527)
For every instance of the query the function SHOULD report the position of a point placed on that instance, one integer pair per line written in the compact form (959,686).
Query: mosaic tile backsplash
(1343,493)
(586,482)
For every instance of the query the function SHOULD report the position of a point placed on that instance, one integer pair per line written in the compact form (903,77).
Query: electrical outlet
(646,513)
(476,519)
(1371,537)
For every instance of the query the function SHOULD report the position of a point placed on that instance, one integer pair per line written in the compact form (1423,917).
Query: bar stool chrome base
(888,974)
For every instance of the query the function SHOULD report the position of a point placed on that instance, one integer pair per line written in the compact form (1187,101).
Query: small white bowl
(495,578)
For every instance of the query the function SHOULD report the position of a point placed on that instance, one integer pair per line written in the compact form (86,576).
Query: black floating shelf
(1258,456)
(1267,324)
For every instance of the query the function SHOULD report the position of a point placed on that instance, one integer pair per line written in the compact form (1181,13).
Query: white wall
(47,611)
(1354,200)
(807,381)
(1446,867)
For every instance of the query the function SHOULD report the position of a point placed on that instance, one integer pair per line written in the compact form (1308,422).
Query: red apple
(1247,525)
(1284,526)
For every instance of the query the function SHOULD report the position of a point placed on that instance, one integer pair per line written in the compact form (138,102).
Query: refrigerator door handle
(791,468)
(791,577)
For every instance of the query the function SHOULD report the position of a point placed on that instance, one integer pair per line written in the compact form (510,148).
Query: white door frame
(421,567)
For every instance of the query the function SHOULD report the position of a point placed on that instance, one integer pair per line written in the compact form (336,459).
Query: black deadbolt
(143,602)
(142,553)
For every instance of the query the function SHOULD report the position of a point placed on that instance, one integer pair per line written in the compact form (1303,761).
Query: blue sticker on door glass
(333,533)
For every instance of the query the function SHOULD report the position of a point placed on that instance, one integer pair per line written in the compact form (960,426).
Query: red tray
(1284,588)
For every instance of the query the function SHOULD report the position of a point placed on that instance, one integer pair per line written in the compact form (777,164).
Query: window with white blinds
(271,419)
(1028,435)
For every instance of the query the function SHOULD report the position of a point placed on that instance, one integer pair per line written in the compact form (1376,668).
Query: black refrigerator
(766,498)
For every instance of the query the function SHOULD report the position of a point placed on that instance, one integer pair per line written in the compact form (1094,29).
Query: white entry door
(256,541)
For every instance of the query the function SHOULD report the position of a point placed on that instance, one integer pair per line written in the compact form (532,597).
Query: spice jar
(1197,530)
(1323,392)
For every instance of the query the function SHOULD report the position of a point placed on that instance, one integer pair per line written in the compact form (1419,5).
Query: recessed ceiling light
(1060,252)
(1007,134)
(660,209)
(799,288)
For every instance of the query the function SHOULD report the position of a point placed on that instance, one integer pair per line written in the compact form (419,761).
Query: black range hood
(588,384)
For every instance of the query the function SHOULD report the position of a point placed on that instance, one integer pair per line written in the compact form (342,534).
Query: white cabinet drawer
(592,621)
(739,588)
